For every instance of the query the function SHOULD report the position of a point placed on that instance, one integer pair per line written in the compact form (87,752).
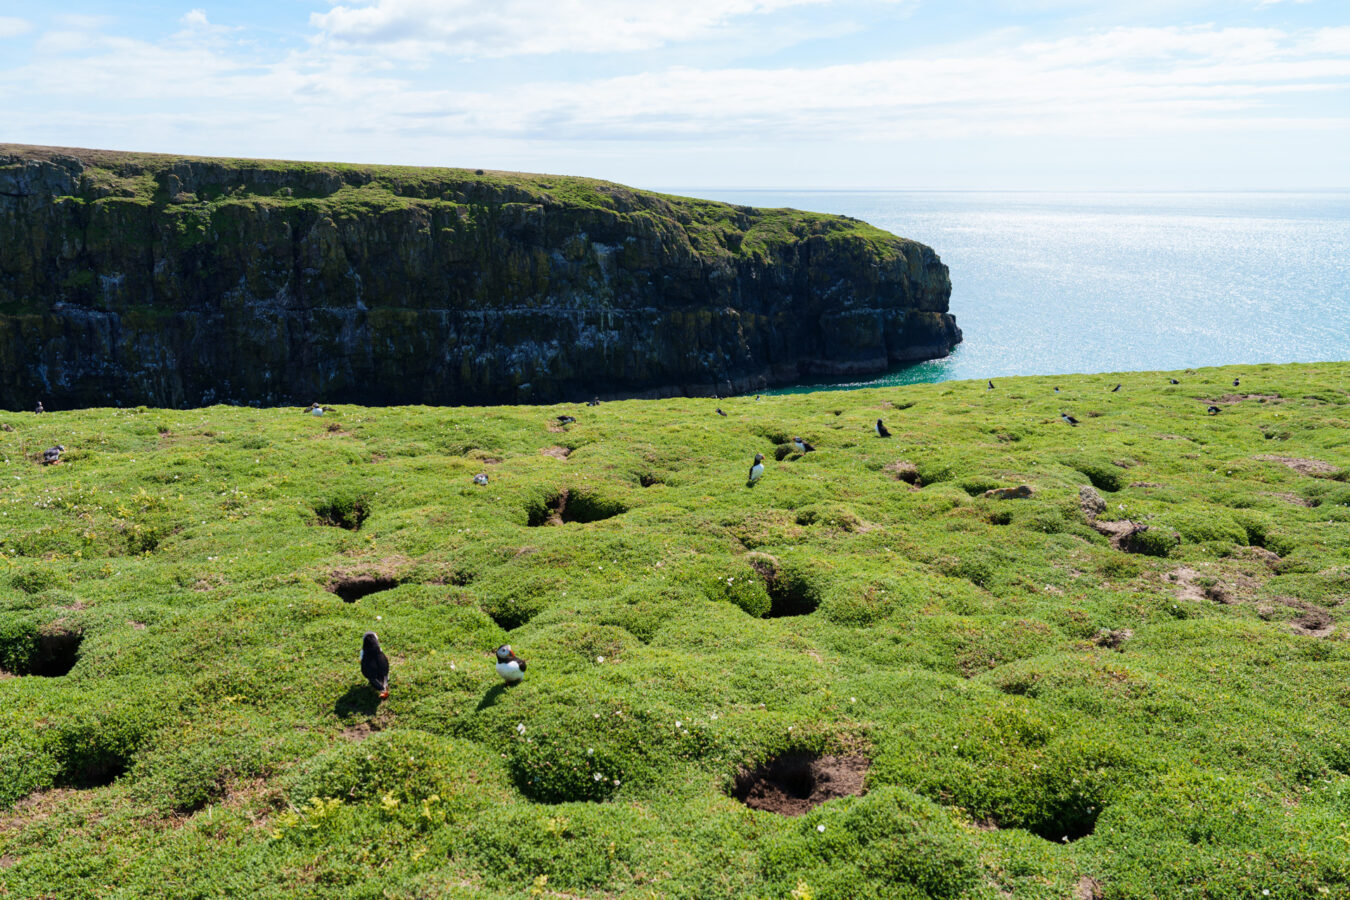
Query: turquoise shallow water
(1057,283)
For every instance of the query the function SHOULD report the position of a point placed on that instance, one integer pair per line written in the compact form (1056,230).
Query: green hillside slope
(1051,700)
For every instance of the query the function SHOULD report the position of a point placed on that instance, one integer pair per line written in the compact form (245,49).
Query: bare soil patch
(557,452)
(1088,888)
(1185,580)
(1113,639)
(1290,497)
(796,783)
(906,471)
(1230,399)
(1301,465)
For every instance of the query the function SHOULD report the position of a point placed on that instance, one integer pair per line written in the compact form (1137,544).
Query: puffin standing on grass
(315,409)
(1068,418)
(509,666)
(480,478)
(39,408)
(374,664)
(1114,389)
(802,446)
(719,411)
(1173,381)
(991,385)
(1213,410)
(881,430)
(756,469)
(53,455)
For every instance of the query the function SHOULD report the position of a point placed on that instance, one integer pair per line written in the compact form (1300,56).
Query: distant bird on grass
(991,384)
(719,411)
(1114,389)
(802,446)
(315,409)
(594,402)
(39,408)
(882,430)
(566,420)
(1068,418)
(1236,382)
(1213,410)
(374,664)
(756,469)
(53,455)
(480,478)
(1174,381)
(757,396)
(509,666)
(1056,390)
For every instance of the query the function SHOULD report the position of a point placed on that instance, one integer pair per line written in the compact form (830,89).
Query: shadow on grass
(363,700)
(492,696)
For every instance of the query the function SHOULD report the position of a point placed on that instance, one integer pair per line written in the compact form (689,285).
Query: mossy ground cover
(1046,714)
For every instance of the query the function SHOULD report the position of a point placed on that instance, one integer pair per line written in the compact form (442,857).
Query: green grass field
(1054,703)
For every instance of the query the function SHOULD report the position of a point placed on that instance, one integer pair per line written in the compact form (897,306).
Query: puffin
(757,469)
(802,446)
(1114,389)
(53,455)
(480,478)
(1174,381)
(1056,390)
(566,420)
(991,384)
(315,409)
(39,408)
(509,666)
(1068,418)
(1213,410)
(719,411)
(594,402)
(1236,382)
(374,664)
(881,429)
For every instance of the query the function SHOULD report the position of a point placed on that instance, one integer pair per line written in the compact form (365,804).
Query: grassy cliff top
(1053,700)
(346,187)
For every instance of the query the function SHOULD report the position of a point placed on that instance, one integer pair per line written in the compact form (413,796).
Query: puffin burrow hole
(353,587)
(569,505)
(342,512)
(47,652)
(796,782)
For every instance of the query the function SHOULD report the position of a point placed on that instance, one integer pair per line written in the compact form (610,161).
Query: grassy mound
(993,655)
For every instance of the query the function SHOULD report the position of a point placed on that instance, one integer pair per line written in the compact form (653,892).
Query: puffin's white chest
(510,671)
(756,470)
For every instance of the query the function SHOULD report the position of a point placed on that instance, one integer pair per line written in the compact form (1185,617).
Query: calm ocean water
(1046,283)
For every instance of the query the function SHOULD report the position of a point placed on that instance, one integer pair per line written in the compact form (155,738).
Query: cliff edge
(130,279)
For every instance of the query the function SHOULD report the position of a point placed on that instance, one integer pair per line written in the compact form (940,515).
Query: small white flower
(820,828)
(598,777)
(452,667)
(852,699)
(590,751)
(599,659)
(379,618)
(520,728)
(616,782)
(679,724)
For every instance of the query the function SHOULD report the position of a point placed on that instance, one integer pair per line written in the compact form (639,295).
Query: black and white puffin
(1056,390)
(802,446)
(1114,389)
(991,384)
(881,429)
(53,455)
(315,409)
(374,664)
(1174,381)
(719,411)
(480,478)
(1068,418)
(566,420)
(39,408)
(1213,410)
(756,469)
(509,666)
(1236,382)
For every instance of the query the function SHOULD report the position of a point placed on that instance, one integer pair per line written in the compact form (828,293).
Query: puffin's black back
(374,664)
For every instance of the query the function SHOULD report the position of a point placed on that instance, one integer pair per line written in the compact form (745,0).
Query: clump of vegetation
(951,695)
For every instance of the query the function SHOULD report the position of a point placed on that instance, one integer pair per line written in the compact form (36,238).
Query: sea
(1056,283)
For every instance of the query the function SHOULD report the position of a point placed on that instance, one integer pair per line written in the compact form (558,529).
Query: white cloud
(13,27)
(472,28)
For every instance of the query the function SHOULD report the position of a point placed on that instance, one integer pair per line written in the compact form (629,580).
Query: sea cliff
(132,279)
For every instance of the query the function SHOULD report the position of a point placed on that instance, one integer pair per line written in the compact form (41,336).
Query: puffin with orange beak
(374,664)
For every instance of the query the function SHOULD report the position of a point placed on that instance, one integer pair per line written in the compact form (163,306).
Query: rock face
(168,281)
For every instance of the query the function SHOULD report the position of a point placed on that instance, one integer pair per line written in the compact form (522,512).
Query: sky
(805,94)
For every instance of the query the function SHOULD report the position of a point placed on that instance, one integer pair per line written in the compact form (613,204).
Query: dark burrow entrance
(573,506)
(48,652)
(790,594)
(353,587)
(795,783)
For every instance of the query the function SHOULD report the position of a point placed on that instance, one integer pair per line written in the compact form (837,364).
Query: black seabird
(1235,382)
(1056,390)
(1114,389)
(374,664)
(509,666)
(991,384)
(1174,381)
(719,411)
(566,420)
(881,429)
(39,407)
(802,446)
(1068,418)
(480,478)
(756,469)
(315,409)
(53,455)
(595,402)
(1213,410)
